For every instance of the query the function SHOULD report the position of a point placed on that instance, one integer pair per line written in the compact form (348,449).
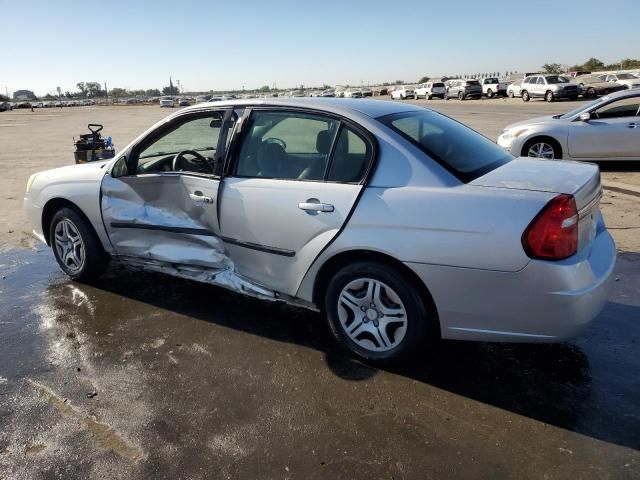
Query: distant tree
(423,80)
(83,88)
(4,98)
(152,92)
(552,68)
(170,90)
(118,92)
(265,88)
(93,89)
(593,65)
(399,82)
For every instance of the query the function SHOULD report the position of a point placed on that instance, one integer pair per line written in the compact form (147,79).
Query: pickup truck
(492,86)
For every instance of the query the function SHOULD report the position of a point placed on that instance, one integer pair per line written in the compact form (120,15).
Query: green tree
(83,88)
(423,80)
(170,91)
(265,88)
(593,65)
(118,92)
(152,92)
(552,68)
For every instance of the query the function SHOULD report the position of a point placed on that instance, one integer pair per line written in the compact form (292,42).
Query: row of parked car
(4,106)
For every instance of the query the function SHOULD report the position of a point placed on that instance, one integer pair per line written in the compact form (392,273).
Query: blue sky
(223,45)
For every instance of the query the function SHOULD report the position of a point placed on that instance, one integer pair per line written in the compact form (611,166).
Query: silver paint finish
(462,240)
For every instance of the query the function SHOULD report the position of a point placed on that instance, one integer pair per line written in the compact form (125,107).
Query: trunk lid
(582,180)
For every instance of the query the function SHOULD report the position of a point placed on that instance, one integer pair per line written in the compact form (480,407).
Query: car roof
(339,106)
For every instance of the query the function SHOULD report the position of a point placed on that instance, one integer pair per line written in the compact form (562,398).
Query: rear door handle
(314,205)
(199,197)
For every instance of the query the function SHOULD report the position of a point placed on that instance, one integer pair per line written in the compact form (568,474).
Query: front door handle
(199,197)
(315,205)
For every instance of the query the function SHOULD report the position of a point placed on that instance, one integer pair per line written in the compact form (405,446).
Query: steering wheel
(278,141)
(199,162)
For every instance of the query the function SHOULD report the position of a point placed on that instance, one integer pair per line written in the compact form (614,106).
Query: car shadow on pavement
(589,386)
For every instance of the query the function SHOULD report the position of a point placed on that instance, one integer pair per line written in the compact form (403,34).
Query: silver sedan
(399,224)
(606,129)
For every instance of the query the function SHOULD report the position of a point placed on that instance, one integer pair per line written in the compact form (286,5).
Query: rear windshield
(462,151)
(438,84)
(473,82)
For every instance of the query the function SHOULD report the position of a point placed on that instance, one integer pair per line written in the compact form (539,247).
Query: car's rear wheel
(511,94)
(460,96)
(490,93)
(525,96)
(549,97)
(377,313)
(542,147)
(591,92)
(429,97)
(76,247)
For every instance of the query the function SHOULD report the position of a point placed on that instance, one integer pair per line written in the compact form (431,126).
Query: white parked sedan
(400,225)
(513,89)
(402,93)
(606,129)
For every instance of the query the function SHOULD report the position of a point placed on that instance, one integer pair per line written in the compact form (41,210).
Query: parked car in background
(522,241)
(513,89)
(626,79)
(429,90)
(352,93)
(329,92)
(184,102)
(166,101)
(492,86)
(402,92)
(202,98)
(577,74)
(463,89)
(366,92)
(606,129)
(296,93)
(549,87)
(592,86)
(5,106)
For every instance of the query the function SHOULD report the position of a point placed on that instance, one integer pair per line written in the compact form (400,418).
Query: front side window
(194,141)
(540,80)
(462,151)
(627,107)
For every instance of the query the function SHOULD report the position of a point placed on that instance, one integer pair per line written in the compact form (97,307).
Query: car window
(350,157)
(462,151)
(540,81)
(199,135)
(286,145)
(626,107)
(473,82)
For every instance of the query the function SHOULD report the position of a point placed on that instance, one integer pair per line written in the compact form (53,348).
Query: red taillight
(553,234)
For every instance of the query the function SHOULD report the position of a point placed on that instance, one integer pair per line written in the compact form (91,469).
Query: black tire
(490,93)
(95,260)
(460,96)
(557,149)
(549,96)
(511,94)
(429,97)
(525,96)
(422,324)
(591,92)
(446,96)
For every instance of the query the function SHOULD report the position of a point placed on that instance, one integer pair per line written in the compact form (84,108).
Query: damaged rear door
(159,206)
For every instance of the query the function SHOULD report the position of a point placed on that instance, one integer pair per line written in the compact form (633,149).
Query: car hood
(530,122)
(81,172)
(582,180)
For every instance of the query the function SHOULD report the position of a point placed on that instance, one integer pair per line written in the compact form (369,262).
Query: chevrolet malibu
(401,225)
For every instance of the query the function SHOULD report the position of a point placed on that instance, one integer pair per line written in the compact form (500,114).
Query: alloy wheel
(372,315)
(69,245)
(541,150)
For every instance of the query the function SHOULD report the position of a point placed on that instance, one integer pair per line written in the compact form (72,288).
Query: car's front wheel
(549,96)
(377,313)
(76,247)
(460,96)
(542,147)
(525,96)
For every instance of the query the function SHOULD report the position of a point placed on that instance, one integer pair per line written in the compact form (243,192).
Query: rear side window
(350,157)
(464,152)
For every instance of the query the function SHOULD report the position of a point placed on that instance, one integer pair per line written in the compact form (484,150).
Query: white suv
(403,93)
(430,89)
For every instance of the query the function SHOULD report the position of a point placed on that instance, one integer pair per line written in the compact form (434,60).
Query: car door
(613,132)
(159,205)
(293,180)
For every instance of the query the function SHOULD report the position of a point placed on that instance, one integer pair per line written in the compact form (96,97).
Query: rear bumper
(543,302)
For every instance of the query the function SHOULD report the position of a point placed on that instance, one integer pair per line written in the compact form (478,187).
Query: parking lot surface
(145,376)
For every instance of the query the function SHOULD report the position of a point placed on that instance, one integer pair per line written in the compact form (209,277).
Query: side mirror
(585,116)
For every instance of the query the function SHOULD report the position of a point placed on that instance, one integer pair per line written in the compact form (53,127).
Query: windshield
(438,84)
(464,152)
(491,80)
(626,76)
(473,82)
(581,108)
(556,79)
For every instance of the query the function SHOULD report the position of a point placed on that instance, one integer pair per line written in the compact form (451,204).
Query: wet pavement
(145,376)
